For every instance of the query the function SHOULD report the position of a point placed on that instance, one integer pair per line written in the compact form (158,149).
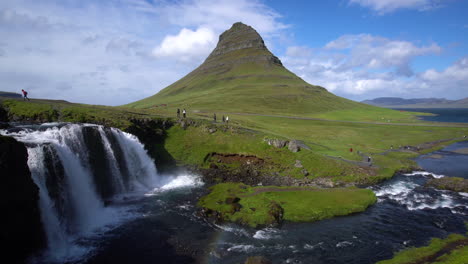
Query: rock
(293,146)
(455,184)
(275,214)
(324,182)
(298,164)
(277,143)
(22,233)
(211,130)
(232,200)
(213,166)
(257,260)
(305,172)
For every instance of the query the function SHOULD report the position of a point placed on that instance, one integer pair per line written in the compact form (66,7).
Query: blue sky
(118,51)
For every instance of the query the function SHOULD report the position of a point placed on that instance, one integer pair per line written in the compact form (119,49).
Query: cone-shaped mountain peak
(242,75)
(242,41)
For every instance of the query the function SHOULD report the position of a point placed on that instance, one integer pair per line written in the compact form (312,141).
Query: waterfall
(79,169)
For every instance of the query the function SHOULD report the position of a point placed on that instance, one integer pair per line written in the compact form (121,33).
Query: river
(153,219)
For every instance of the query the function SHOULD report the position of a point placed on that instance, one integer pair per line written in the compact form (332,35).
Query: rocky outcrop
(241,36)
(21,233)
(293,146)
(455,184)
(257,260)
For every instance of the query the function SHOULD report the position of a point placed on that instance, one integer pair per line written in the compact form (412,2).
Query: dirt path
(355,122)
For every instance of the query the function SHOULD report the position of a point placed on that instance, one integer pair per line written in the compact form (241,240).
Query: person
(184,113)
(351,150)
(227,119)
(391,147)
(25,95)
(224,119)
(178,113)
(369,159)
(214,117)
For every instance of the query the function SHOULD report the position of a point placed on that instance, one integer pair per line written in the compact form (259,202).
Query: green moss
(300,204)
(451,250)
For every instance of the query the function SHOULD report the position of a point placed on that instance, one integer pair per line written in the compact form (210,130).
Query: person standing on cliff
(25,95)
(224,119)
(214,117)
(178,113)
(184,113)
(227,119)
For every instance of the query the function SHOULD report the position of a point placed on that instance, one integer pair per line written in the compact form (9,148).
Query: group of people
(184,113)
(225,119)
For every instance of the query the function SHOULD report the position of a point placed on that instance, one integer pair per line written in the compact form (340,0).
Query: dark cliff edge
(22,234)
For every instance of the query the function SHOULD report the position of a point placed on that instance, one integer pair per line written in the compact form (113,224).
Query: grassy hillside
(242,75)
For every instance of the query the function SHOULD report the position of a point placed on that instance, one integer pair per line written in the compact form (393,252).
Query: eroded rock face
(21,234)
(240,36)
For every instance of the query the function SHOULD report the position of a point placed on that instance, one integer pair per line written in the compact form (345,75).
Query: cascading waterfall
(79,169)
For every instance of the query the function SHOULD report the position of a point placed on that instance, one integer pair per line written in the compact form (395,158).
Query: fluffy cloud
(377,52)
(221,14)
(365,66)
(64,50)
(187,44)
(388,6)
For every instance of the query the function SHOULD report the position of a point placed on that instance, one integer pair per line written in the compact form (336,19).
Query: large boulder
(277,143)
(455,184)
(293,146)
(21,234)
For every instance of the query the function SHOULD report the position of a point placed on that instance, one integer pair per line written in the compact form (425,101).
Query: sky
(113,52)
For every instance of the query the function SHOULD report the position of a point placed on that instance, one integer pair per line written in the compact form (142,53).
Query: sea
(452,115)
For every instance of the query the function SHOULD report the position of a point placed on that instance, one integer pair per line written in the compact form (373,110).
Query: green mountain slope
(242,75)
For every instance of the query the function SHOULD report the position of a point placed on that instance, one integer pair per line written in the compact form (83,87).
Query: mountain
(242,75)
(10,94)
(396,102)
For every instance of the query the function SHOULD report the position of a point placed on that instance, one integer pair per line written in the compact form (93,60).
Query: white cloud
(365,66)
(187,44)
(388,6)
(221,14)
(375,52)
(115,51)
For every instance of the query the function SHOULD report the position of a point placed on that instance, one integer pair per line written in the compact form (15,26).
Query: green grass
(191,146)
(50,110)
(451,250)
(299,204)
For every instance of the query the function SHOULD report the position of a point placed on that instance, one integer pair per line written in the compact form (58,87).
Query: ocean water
(452,115)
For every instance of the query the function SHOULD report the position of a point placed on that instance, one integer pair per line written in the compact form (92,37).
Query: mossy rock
(455,184)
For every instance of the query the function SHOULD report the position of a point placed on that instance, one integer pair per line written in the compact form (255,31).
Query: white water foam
(405,192)
(242,248)
(312,247)
(425,173)
(344,244)
(267,234)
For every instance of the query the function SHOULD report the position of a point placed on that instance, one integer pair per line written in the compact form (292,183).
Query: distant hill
(10,94)
(242,75)
(396,102)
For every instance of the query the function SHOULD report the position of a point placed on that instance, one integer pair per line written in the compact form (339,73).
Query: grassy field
(262,206)
(451,250)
